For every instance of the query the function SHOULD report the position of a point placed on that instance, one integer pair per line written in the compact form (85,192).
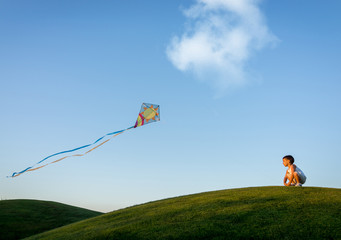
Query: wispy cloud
(220,36)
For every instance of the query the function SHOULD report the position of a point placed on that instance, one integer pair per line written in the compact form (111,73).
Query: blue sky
(240,84)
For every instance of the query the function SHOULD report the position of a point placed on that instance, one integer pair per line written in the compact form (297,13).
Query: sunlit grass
(248,213)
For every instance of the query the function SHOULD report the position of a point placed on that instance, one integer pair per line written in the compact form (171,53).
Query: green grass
(248,213)
(23,218)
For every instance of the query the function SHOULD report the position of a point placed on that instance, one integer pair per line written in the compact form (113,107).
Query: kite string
(76,155)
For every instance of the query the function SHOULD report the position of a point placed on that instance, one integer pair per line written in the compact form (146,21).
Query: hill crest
(246,213)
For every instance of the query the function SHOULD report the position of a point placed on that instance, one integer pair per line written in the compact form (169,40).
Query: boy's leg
(293,183)
(297,179)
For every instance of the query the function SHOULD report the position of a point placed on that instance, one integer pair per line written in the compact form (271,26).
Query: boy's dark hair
(290,158)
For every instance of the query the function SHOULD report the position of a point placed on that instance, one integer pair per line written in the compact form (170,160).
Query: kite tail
(33,168)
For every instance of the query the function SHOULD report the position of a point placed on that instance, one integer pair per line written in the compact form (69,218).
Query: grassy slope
(22,218)
(248,213)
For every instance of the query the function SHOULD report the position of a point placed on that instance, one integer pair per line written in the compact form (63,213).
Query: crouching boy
(293,176)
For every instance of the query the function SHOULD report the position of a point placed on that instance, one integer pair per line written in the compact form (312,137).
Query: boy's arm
(290,180)
(285,178)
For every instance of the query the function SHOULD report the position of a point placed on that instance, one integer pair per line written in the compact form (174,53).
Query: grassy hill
(23,218)
(248,213)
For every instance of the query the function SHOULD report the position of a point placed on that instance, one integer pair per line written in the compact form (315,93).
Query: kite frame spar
(147,115)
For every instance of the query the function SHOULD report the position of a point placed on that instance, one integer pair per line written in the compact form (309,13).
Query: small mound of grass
(247,213)
(23,218)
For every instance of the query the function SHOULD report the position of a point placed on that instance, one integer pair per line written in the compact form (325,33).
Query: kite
(149,113)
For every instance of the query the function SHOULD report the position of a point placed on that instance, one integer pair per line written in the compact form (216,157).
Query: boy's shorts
(301,175)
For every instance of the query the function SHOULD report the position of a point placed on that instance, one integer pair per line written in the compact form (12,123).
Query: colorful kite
(149,113)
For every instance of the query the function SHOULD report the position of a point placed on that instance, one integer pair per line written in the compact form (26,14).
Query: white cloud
(219,39)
